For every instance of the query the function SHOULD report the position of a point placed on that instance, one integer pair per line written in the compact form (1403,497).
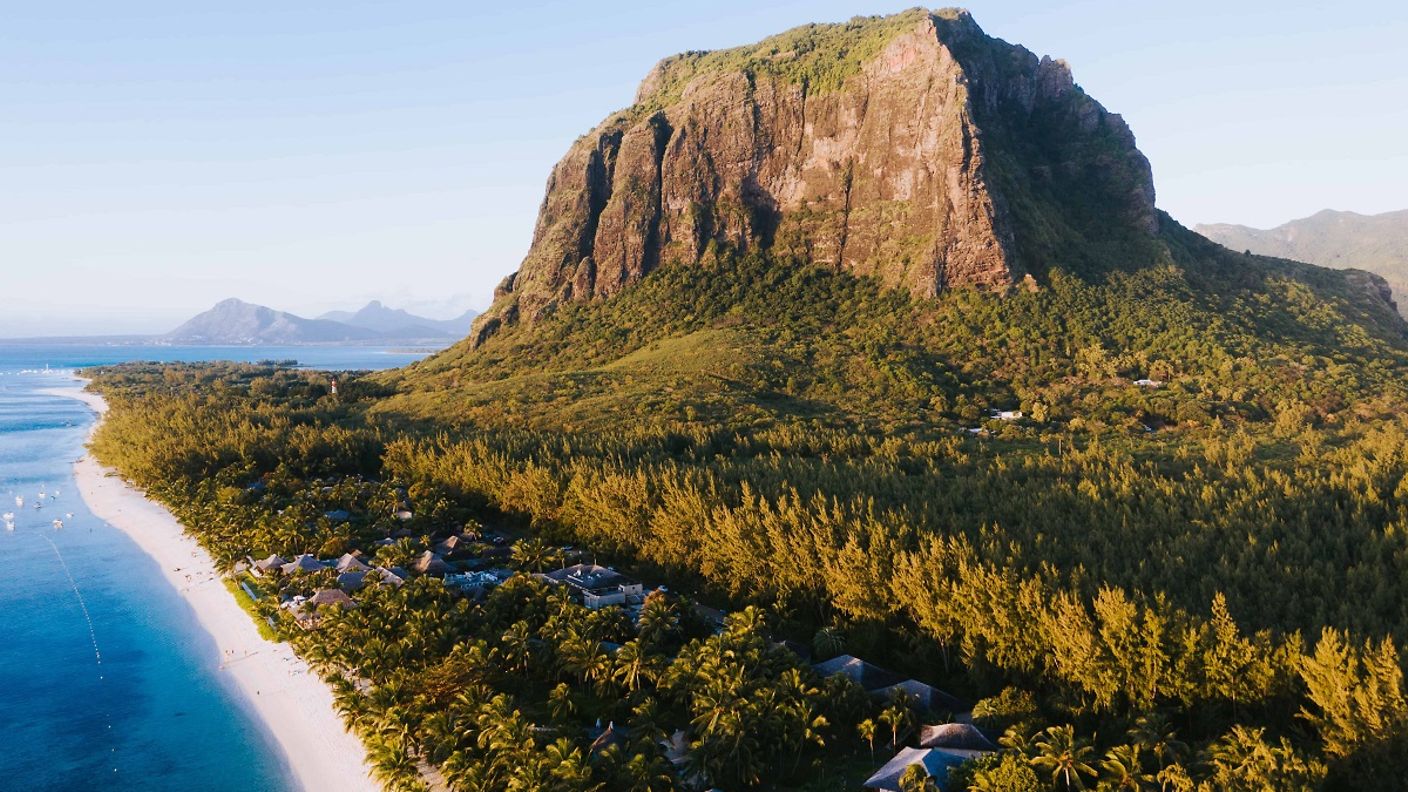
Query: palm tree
(570,772)
(916,779)
(516,646)
(1064,755)
(390,763)
(647,725)
(533,555)
(828,642)
(1174,778)
(635,666)
(441,730)
(590,662)
(645,771)
(658,622)
(560,704)
(1123,767)
(1152,733)
(1016,740)
(399,724)
(899,717)
(866,729)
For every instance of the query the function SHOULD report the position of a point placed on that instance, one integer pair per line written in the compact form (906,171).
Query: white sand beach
(295,705)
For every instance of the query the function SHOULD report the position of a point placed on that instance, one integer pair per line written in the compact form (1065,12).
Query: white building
(598,586)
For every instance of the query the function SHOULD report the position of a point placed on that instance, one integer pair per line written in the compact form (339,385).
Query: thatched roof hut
(429,563)
(326,597)
(351,563)
(303,563)
(271,564)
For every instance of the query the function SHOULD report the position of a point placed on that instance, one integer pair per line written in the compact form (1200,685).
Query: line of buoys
(88,617)
(92,633)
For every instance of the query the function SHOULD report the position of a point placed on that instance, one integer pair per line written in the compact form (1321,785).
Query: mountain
(893,221)
(398,323)
(913,148)
(1377,243)
(234,321)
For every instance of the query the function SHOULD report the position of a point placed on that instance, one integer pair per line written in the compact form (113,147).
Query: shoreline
(288,699)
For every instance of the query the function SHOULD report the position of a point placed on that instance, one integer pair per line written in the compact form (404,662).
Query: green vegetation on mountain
(819,57)
(760,343)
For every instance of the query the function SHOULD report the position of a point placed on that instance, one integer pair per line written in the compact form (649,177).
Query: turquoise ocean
(106,680)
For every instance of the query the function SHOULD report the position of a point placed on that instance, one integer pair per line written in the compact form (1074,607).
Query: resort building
(955,736)
(394,576)
(305,611)
(884,685)
(935,762)
(331,597)
(350,563)
(867,675)
(476,582)
(429,563)
(921,696)
(453,544)
(351,581)
(262,567)
(598,586)
(303,563)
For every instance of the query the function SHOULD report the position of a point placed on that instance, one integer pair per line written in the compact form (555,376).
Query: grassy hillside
(1238,340)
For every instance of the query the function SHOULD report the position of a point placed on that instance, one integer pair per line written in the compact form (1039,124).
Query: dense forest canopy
(1221,549)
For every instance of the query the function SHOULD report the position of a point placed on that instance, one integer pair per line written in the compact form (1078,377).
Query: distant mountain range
(235,322)
(402,324)
(1343,240)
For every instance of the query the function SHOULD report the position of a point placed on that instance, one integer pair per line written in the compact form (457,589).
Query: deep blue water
(154,714)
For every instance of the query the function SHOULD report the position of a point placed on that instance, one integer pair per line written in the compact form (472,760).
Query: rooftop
(934,760)
(590,577)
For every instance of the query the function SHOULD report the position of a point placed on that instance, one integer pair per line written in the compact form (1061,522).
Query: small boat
(19,501)
(8,516)
(58,524)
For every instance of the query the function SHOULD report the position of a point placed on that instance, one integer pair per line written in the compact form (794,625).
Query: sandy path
(294,704)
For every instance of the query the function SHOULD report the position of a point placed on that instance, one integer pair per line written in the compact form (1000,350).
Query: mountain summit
(237,322)
(913,147)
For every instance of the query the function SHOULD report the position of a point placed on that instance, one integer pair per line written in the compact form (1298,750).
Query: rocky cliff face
(912,148)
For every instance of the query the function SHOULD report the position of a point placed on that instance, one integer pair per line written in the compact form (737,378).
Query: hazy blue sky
(158,156)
